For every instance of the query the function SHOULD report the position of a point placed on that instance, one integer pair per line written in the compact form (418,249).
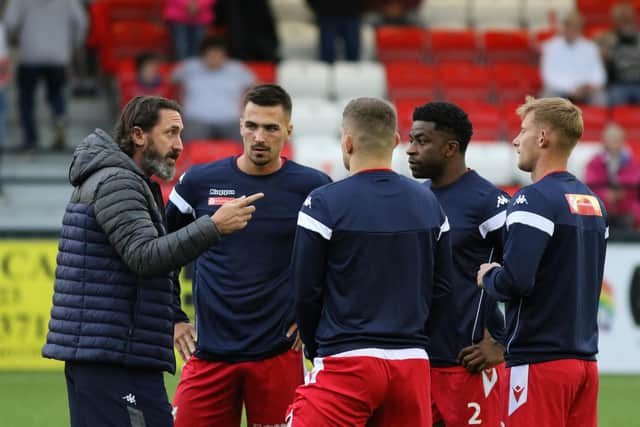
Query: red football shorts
(460,398)
(372,387)
(212,393)
(560,393)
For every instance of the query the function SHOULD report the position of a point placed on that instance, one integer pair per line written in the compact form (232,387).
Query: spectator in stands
(46,31)
(572,67)
(338,19)
(621,50)
(149,80)
(396,12)
(614,175)
(212,90)
(251,35)
(188,20)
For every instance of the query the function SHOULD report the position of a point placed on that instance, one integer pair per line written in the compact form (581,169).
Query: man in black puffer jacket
(115,305)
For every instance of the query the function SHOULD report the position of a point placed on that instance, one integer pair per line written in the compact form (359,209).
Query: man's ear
(138,137)
(544,138)
(348,141)
(451,147)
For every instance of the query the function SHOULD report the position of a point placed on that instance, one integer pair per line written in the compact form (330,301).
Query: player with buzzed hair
(372,253)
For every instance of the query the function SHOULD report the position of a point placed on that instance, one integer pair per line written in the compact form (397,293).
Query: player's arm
(529,227)
(494,230)
(309,263)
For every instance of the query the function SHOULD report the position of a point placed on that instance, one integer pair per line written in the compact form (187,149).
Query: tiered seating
(595,119)
(496,13)
(264,71)
(400,43)
(126,80)
(507,46)
(628,117)
(464,81)
(305,79)
(445,13)
(123,28)
(595,12)
(354,79)
(411,79)
(452,45)
(316,117)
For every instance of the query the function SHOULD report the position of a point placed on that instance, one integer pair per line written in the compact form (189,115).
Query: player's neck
(546,165)
(452,173)
(247,166)
(361,164)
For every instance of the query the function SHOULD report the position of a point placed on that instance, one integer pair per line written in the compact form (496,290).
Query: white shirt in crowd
(566,66)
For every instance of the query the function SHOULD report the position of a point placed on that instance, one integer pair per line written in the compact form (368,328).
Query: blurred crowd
(212,40)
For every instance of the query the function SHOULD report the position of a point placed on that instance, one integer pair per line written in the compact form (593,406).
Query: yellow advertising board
(27,269)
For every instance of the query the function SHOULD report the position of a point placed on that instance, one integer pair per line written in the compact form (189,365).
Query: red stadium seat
(134,10)
(540,37)
(264,71)
(127,39)
(453,45)
(595,12)
(513,81)
(404,110)
(511,120)
(104,13)
(486,120)
(595,119)
(507,45)
(628,117)
(209,150)
(464,81)
(411,79)
(400,43)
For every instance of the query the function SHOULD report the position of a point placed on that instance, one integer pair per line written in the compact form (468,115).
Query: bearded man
(116,300)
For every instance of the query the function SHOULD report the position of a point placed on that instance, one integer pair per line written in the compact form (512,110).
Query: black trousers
(113,396)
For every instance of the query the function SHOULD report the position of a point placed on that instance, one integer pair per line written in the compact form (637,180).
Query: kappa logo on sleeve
(583,204)
(502,200)
(307,202)
(521,200)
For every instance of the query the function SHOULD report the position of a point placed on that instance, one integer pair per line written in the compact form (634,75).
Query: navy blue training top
(372,252)
(552,273)
(477,211)
(242,288)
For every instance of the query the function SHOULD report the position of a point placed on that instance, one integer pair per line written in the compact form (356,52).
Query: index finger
(252,198)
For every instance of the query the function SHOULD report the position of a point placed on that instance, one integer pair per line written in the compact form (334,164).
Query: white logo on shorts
(131,398)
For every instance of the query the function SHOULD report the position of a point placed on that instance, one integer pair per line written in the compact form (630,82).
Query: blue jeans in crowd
(186,39)
(343,27)
(55,78)
(624,93)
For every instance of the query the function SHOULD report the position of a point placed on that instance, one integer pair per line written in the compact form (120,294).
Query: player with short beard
(466,360)
(247,349)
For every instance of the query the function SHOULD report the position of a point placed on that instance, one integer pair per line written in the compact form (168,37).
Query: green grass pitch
(38,399)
